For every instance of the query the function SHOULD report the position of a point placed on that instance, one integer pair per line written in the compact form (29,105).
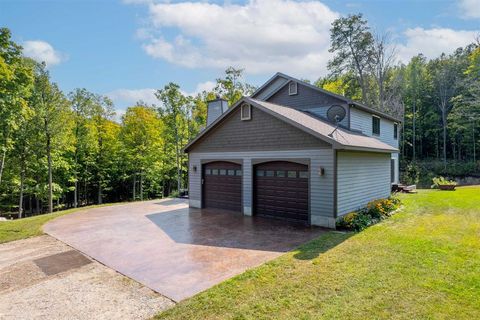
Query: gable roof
(339,138)
(340,97)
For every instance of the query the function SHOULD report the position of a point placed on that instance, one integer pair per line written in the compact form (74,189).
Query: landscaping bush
(374,212)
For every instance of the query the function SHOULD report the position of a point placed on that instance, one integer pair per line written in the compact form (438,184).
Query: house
(293,151)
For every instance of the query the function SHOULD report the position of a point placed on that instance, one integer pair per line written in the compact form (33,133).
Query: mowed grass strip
(32,226)
(423,263)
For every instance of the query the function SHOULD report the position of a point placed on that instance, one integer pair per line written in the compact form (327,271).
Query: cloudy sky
(127,49)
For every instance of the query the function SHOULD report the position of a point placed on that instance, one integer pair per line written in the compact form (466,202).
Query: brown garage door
(222,185)
(281,190)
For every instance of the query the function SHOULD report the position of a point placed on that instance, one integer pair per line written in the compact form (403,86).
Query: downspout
(335,187)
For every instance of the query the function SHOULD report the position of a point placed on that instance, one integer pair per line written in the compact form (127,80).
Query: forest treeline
(61,150)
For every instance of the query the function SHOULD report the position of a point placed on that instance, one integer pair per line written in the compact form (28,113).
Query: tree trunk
(2,164)
(85,193)
(177,156)
(141,185)
(99,192)
(50,182)
(75,192)
(134,186)
(473,137)
(20,198)
(444,123)
(414,129)
(37,205)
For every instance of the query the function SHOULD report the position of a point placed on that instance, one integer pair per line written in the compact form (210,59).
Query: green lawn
(423,263)
(31,227)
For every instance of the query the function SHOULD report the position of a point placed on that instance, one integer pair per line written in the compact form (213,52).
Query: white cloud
(128,97)
(204,86)
(433,42)
(470,9)
(42,51)
(263,36)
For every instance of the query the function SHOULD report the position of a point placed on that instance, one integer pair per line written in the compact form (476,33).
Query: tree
(351,44)
(106,146)
(141,135)
(16,79)
(52,112)
(232,87)
(83,105)
(173,113)
(381,64)
(445,78)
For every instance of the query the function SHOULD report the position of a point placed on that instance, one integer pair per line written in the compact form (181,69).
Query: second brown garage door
(222,185)
(281,190)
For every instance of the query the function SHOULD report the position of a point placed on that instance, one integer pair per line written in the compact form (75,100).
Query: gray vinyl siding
(263,132)
(321,187)
(361,178)
(308,99)
(272,87)
(362,120)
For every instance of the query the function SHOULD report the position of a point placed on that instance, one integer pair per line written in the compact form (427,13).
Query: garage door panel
(281,191)
(222,186)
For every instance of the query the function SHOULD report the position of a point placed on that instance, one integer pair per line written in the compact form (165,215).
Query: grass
(32,226)
(423,263)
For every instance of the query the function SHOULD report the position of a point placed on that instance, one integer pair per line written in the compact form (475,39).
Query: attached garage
(222,185)
(270,160)
(281,190)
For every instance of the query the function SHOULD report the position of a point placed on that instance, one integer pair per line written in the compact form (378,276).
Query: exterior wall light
(321,172)
(194,168)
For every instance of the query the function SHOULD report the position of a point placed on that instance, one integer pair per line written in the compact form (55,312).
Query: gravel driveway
(42,278)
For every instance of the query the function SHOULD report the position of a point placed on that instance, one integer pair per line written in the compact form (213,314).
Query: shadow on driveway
(221,228)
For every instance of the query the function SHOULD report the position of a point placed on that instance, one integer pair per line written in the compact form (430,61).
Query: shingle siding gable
(308,99)
(262,133)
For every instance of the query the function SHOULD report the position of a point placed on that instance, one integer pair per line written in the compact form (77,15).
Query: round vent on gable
(336,113)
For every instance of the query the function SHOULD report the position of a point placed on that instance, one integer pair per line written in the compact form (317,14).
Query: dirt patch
(42,278)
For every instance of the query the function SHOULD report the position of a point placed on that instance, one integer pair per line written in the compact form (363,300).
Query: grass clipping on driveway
(30,227)
(424,262)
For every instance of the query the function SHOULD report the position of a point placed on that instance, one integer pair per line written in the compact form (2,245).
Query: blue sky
(126,49)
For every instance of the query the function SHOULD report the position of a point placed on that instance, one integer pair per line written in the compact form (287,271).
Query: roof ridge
(338,96)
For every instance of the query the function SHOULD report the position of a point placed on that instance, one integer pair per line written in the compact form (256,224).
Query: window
(223,172)
(238,172)
(208,171)
(246,112)
(392,170)
(395,131)
(269,173)
(215,172)
(260,173)
(303,174)
(292,174)
(231,172)
(375,125)
(281,174)
(292,88)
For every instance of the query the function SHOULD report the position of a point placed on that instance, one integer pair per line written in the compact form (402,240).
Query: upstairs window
(395,131)
(246,112)
(292,88)
(376,125)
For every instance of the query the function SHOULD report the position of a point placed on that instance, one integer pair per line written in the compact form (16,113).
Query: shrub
(441,181)
(356,221)
(411,174)
(374,212)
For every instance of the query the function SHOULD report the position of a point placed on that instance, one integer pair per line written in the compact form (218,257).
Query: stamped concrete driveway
(175,250)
